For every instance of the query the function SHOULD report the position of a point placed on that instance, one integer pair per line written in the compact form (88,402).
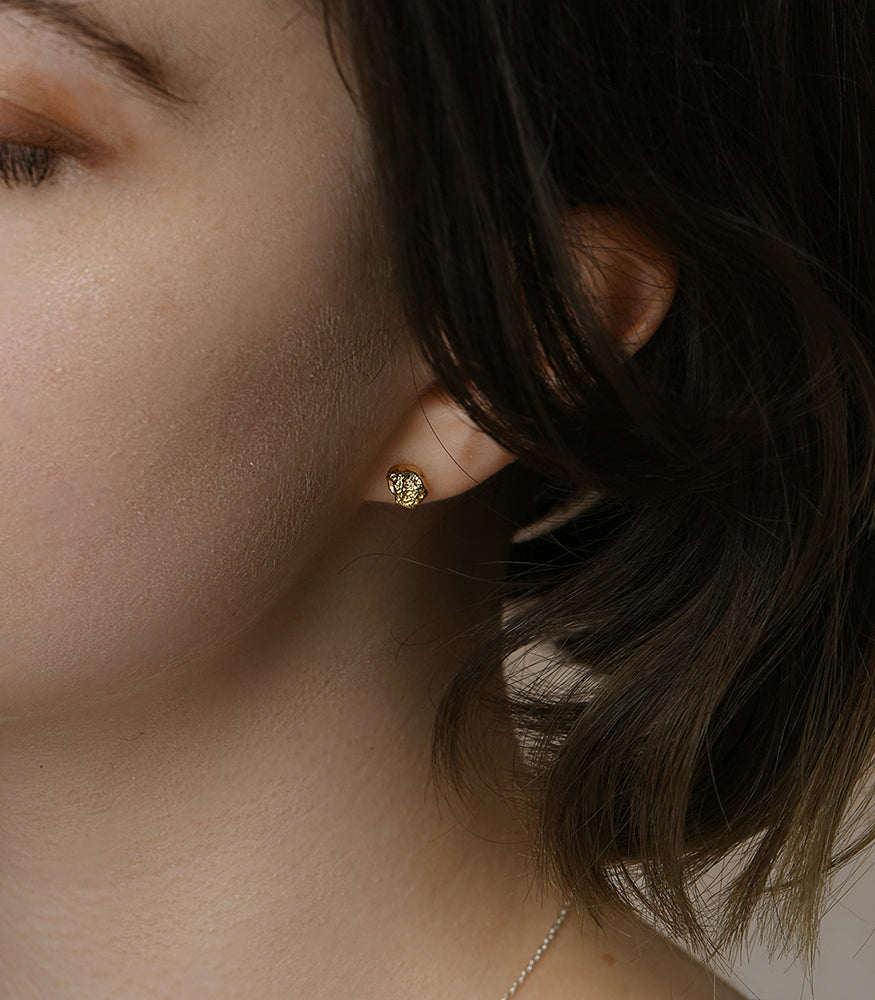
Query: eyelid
(35,128)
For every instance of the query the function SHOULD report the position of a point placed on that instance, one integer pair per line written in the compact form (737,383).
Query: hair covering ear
(630,279)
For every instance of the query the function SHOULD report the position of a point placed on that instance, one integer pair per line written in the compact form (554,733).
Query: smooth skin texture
(218,657)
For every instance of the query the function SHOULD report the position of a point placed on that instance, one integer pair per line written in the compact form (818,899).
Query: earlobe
(438,445)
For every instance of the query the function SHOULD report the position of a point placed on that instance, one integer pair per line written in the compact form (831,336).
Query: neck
(261,823)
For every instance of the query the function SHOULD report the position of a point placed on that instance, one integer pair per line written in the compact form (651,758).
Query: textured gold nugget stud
(407,485)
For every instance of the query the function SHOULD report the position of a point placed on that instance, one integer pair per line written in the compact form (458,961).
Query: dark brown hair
(711,608)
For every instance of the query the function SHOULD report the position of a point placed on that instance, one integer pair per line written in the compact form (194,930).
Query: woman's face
(196,368)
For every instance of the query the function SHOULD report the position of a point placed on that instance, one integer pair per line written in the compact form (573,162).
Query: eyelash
(20,165)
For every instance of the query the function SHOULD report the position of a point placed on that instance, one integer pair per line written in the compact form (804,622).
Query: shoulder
(631,962)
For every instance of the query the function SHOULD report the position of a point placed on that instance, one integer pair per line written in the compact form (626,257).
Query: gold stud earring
(407,485)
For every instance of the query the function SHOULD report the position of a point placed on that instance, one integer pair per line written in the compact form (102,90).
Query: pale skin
(221,642)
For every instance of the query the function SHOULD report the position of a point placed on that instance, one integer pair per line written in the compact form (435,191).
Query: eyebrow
(140,67)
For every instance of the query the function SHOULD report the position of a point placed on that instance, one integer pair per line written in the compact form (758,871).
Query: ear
(438,437)
(629,278)
(630,281)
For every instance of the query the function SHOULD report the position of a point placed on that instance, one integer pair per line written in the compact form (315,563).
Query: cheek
(170,436)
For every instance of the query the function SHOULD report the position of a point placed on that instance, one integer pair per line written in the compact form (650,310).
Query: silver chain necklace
(545,944)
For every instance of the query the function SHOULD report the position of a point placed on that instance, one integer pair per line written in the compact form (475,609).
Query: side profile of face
(196,366)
